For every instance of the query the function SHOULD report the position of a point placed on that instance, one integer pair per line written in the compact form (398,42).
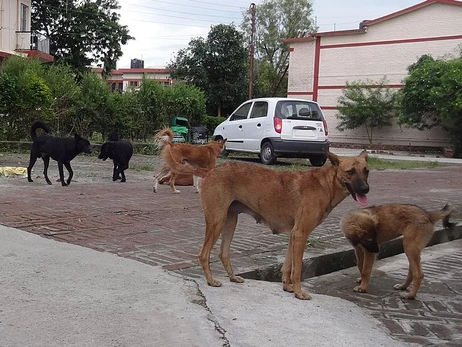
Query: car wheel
(224,153)
(267,155)
(318,160)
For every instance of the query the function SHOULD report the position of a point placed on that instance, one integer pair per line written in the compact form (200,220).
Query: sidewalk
(57,294)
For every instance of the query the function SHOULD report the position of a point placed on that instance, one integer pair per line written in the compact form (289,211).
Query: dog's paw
(399,287)
(358,280)
(236,279)
(407,296)
(303,296)
(359,289)
(154,189)
(214,283)
(287,287)
(176,192)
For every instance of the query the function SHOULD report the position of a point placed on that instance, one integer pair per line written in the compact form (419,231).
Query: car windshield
(292,109)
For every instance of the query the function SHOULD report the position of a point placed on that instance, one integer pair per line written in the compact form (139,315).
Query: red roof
(410,9)
(138,71)
(367,23)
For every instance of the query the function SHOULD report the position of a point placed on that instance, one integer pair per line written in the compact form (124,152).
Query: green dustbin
(180,128)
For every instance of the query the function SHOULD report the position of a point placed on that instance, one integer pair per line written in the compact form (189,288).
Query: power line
(181,12)
(193,6)
(210,3)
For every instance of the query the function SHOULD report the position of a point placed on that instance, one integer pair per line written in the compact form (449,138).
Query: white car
(276,127)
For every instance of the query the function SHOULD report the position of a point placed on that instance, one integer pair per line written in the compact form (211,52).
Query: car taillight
(277,124)
(326,132)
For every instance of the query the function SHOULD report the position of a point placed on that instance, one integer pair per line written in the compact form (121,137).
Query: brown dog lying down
(367,228)
(181,180)
(204,156)
(289,201)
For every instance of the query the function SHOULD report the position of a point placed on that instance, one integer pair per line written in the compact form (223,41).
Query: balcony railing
(26,40)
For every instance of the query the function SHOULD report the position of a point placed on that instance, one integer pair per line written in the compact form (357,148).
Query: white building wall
(9,24)
(301,60)
(373,62)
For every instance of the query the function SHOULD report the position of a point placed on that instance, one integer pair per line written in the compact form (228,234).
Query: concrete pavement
(57,294)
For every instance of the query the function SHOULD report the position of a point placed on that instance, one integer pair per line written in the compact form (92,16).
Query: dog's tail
(443,214)
(38,125)
(162,137)
(181,168)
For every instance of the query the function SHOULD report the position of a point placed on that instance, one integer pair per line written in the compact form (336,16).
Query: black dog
(120,151)
(61,149)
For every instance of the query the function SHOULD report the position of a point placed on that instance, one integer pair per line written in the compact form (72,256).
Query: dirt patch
(87,168)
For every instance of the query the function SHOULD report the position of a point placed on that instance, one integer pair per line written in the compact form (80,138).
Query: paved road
(167,230)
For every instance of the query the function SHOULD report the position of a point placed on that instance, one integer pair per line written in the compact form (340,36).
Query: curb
(343,259)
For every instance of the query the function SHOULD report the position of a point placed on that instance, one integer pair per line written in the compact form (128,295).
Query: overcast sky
(162,27)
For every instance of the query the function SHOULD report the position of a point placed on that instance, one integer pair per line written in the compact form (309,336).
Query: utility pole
(252,48)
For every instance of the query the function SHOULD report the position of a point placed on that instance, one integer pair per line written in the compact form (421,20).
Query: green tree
(93,111)
(65,97)
(186,101)
(151,96)
(82,32)
(24,96)
(217,65)
(369,104)
(432,96)
(275,21)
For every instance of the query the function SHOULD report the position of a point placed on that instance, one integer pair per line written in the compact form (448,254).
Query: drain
(340,260)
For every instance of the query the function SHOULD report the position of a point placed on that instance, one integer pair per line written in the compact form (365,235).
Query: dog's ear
(332,157)
(363,155)
(224,141)
(354,240)
(77,137)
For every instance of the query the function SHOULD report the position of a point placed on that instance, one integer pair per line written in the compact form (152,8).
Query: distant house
(124,79)
(321,63)
(16,37)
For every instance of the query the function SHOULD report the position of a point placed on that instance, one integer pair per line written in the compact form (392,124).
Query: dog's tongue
(361,199)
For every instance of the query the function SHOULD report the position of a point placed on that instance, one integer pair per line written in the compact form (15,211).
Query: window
(298,110)
(260,109)
(241,112)
(133,83)
(24,11)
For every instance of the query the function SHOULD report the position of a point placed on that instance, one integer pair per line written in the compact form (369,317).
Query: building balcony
(34,45)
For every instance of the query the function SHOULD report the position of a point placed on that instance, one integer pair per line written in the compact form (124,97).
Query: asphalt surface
(125,272)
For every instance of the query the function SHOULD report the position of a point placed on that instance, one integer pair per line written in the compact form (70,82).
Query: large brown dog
(204,156)
(294,202)
(369,227)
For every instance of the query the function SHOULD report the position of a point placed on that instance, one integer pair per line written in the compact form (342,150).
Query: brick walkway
(164,229)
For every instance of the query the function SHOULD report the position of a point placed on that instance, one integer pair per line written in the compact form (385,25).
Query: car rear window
(298,110)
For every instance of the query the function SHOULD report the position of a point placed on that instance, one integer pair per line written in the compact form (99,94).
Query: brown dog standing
(369,227)
(204,156)
(294,202)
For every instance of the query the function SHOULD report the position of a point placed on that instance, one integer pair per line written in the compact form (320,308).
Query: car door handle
(258,125)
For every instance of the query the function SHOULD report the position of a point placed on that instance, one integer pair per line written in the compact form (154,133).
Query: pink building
(124,79)
(321,63)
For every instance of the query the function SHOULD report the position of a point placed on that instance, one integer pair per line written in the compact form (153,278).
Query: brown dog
(204,156)
(369,227)
(294,202)
(181,180)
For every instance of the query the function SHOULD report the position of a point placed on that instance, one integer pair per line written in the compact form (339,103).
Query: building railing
(26,40)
